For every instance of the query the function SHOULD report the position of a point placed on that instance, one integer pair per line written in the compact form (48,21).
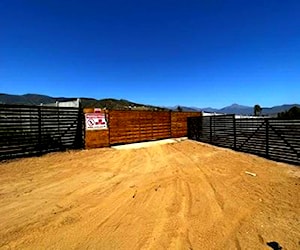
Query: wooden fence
(137,126)
(31,130)
(179,123)
(271,138)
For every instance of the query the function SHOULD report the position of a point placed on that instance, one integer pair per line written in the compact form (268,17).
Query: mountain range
(242,110)
(110,103)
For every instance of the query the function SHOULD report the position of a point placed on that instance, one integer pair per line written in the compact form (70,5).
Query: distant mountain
(209,109)
(30,99)
(35,99)
(237,109)
(112,104)
(277,109)
(184,108)
(247,110)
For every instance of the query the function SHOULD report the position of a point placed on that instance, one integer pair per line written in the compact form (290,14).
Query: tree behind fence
(271,138)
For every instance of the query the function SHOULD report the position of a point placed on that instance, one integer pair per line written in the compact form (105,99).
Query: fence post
(107,117)
(81,127)
(39,130)
(58,124)
(267,138)
(199,128)
(210,129)
(170,124)
(234,132)
(188,127)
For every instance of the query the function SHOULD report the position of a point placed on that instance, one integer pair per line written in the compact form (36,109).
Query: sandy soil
(184,195)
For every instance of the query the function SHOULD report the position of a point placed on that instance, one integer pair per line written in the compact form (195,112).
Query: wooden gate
(135,126)
(29,130)
(272,138)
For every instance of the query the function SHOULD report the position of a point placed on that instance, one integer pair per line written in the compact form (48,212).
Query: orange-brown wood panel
(179,122)
(133,126)
(96,138)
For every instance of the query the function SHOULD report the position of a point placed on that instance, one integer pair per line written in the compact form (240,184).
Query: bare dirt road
(184,195)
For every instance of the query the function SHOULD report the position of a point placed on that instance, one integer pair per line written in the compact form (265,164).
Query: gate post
(267,137)
(188,120)
(80,133)
(234,132)
(39,129)
(170,124)
(210,131)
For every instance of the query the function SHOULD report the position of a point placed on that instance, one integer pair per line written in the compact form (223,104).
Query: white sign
(95,121)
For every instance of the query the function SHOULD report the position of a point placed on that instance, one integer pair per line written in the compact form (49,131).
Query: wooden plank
(280,142)
(27,125)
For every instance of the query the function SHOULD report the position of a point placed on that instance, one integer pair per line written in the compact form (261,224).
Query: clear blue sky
(195,53)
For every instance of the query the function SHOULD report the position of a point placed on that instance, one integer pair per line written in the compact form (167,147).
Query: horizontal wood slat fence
(136,126)
(271,138)
(33,130)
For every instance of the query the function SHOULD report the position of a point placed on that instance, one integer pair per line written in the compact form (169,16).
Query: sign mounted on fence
(95,121)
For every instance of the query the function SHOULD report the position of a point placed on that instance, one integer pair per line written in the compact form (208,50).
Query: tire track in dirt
(176,211)
(170,231)
(178,196)
(205,182)
(65,203)
(182,240)
(217,212)
(142,192)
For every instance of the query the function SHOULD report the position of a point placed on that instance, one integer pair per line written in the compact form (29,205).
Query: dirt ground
(185,195)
